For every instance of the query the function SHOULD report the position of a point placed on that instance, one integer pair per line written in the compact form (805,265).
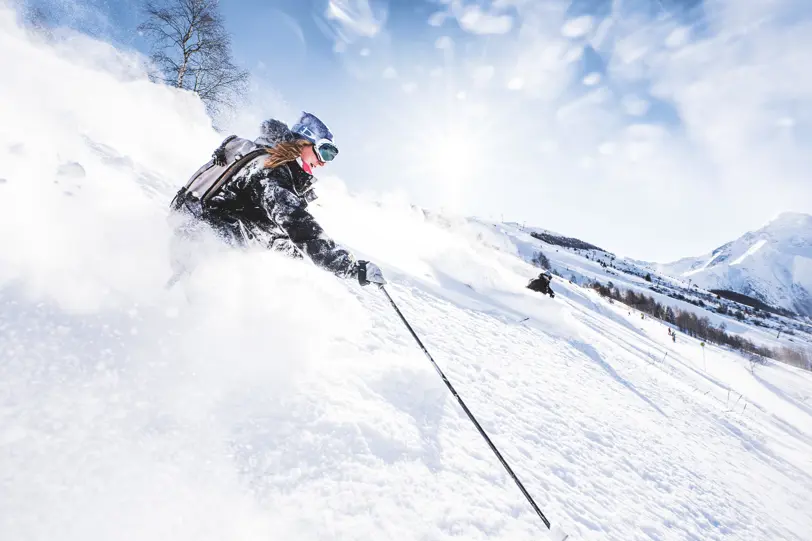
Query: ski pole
(470,415)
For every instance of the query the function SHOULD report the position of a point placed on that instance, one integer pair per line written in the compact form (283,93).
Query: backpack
(235,153)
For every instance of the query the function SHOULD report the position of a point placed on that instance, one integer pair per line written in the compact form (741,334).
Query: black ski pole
(468,412)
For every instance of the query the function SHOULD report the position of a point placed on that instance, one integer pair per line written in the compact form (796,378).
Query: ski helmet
(314,130)
(311,128)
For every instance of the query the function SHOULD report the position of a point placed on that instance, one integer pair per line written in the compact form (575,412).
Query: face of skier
(310,158)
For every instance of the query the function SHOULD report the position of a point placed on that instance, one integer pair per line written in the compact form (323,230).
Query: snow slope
(266,399)
(772,264)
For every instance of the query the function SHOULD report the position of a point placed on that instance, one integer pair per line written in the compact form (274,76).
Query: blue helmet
(311,128)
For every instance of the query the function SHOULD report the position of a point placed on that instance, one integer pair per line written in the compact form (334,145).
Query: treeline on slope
(698,327)
(741,298)
(566,242)
(711,302)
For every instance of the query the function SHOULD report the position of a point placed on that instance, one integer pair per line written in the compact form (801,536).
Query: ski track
(265,399)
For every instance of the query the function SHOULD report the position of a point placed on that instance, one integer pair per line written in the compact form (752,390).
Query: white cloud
(678,37)
(516,83)
(437,18)
(444,43)
(349,20)
(635,106)
(548,146)
(573,54)
(474,19)
(356,16)
(785,122)
(390,73)
(598,39)
(482,74)
(607,149)
(592,79)
(577,27)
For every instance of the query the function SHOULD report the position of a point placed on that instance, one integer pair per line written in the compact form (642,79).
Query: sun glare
(451,155)
(453,159)
(448,140)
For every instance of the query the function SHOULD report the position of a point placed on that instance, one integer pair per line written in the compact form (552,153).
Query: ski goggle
(325,149)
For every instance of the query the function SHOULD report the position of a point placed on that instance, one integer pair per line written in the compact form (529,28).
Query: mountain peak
(793,220)
(772,264)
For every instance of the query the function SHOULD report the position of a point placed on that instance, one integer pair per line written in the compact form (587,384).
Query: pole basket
(557,534)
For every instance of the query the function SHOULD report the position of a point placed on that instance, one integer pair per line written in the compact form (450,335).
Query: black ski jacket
(269,206)
(542,285)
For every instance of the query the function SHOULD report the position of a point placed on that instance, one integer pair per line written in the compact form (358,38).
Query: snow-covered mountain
(772,264)
(264,398)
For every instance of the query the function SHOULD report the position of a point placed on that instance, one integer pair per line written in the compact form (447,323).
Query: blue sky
(655,128)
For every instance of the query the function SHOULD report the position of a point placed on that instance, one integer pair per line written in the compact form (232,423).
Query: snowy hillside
(582,263)
(772,264)
(266,399)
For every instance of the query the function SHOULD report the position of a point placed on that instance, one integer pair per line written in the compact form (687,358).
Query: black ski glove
(369,273)
(219,154)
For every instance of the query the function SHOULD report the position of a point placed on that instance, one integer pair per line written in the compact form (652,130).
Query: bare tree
(192,50)
(540,260)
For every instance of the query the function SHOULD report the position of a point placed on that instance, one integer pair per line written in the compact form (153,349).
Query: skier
(542,284)
(266,201)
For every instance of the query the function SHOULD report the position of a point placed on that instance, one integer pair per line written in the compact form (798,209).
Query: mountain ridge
(772,264)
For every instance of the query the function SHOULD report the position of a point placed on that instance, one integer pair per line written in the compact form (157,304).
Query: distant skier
(265,201)
(542,284)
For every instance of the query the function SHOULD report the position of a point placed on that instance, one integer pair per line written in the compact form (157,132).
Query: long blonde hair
(284,152)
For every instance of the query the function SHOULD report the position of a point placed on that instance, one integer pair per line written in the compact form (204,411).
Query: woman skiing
(265,200)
